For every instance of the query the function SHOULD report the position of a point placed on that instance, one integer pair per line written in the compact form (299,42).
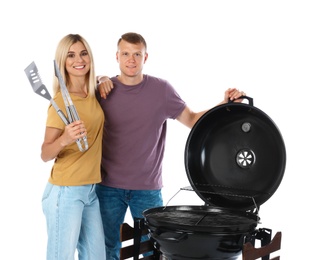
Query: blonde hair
(61,56)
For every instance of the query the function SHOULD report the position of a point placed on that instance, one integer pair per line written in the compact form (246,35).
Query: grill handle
(174,237)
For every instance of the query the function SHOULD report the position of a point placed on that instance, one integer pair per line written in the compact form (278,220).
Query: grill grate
(201,218)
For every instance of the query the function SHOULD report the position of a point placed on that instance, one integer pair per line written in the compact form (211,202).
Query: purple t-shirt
(135,132)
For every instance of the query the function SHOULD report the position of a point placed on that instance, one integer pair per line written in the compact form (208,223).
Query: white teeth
(79,67)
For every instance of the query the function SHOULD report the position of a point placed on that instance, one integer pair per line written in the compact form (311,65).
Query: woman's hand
(56,139)
(72,132)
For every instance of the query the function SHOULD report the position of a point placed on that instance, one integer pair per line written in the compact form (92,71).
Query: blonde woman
(69,202)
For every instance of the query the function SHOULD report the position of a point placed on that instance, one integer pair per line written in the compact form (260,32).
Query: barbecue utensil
(70,108)
(39,88)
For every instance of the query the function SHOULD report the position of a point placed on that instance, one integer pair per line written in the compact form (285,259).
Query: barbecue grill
(235,160)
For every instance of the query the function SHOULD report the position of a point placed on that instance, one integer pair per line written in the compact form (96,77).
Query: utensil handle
(74,113)
(250,100)
(82,144)
(60,112)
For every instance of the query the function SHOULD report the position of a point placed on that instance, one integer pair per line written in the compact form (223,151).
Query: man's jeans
(113,207)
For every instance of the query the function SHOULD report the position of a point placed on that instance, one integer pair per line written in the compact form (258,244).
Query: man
(136,114)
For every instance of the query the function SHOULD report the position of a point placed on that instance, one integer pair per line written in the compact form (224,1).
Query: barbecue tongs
(40,89)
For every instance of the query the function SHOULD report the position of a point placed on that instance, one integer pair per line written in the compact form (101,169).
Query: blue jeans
(113,207)
(73,222)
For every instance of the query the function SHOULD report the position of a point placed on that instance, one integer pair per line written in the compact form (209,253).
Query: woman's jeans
(113,207)
(73,222)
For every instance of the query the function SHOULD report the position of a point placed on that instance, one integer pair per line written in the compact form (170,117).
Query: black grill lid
(235,156)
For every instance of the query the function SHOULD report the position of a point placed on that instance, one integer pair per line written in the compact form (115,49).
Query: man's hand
(232,94)
(105,86)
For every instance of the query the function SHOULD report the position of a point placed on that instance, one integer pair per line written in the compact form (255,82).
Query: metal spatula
(39,88)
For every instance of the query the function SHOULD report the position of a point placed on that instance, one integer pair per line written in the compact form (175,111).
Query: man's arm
(189,118)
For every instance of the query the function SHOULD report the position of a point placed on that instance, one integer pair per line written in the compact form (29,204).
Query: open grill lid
(235,156)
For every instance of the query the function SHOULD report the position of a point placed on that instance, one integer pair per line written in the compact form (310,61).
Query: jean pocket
(47,191)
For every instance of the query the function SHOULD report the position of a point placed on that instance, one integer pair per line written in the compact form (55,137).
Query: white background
(265,48)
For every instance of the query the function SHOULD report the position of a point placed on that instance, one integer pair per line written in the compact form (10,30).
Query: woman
(69,202)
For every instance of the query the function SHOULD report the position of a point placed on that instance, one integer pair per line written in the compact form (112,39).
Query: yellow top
(73,167)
